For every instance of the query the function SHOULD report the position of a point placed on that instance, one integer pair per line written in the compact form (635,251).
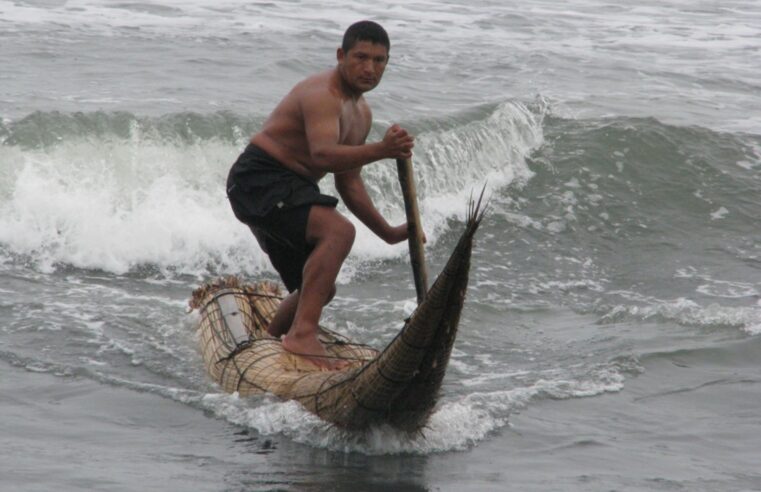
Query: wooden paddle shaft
(417,253)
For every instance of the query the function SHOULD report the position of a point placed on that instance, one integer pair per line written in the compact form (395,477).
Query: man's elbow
(322,160)
(348,188)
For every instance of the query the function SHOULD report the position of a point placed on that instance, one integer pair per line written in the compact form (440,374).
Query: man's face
(362,66)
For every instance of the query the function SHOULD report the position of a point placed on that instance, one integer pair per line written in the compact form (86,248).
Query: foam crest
(119,193)
(118,205)
(688,312)
(452,165)
(455,425)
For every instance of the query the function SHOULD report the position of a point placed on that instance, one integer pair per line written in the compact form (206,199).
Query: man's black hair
(365,31)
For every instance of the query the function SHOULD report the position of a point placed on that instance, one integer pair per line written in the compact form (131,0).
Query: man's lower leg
(334,239)
(283,318)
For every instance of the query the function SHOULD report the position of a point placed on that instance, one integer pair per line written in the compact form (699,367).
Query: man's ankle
(302,331)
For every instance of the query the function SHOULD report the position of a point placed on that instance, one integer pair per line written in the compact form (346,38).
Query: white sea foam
(688,312)
(115,205)
(452,167)
(719,288)
(455,425)
(120,204)
(719,214)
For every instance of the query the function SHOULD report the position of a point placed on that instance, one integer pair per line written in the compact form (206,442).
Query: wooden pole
(417,253)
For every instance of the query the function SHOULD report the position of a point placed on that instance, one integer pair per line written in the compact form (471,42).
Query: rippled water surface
(610,336)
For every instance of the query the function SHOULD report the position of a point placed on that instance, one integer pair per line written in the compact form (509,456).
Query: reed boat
(397,386)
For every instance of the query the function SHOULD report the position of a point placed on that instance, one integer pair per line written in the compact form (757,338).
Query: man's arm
(352,190)
(322,117)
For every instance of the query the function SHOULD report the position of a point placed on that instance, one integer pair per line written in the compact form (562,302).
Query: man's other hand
(398,143)
(400,233)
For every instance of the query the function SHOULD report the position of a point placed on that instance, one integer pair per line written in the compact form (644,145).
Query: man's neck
(344,88)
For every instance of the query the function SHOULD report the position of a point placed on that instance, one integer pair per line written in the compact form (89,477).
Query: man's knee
(324,221)
(332,294)
(329,227)
(347,232)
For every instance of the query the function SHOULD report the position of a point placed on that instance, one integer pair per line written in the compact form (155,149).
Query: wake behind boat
(398,386)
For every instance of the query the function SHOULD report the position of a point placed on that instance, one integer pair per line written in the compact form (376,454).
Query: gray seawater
(610,338)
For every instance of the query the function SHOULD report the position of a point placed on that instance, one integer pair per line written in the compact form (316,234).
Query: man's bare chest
(353,125)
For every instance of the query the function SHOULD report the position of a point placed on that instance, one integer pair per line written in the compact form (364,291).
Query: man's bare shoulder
(317,86)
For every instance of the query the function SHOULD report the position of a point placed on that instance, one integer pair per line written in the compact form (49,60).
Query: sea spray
(118,193)
(457,424)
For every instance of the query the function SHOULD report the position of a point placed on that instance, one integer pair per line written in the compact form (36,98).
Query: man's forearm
(340,158)
(373,220)
(357,200)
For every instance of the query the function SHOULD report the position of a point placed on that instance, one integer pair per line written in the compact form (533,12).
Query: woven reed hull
(398,386)
(263,366)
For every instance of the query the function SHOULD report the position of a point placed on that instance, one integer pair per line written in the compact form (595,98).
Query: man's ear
(340,55)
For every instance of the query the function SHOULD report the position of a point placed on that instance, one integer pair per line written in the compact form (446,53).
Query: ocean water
(611,335)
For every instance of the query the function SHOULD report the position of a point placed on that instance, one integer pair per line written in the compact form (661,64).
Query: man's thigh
(283,237)
(326,222)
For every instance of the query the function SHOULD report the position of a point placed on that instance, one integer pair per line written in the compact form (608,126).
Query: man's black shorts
(275,202)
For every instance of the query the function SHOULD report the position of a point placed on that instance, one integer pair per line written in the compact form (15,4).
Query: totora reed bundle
(398,386)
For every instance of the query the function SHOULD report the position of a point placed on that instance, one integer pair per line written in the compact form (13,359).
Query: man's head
(365,31)
(363,56)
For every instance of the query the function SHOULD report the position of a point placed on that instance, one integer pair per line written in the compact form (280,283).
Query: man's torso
(284,134)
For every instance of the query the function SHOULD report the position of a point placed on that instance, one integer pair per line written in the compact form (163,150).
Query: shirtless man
(320,127)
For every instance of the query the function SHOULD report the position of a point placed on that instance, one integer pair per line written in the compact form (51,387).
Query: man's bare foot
(309,347)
